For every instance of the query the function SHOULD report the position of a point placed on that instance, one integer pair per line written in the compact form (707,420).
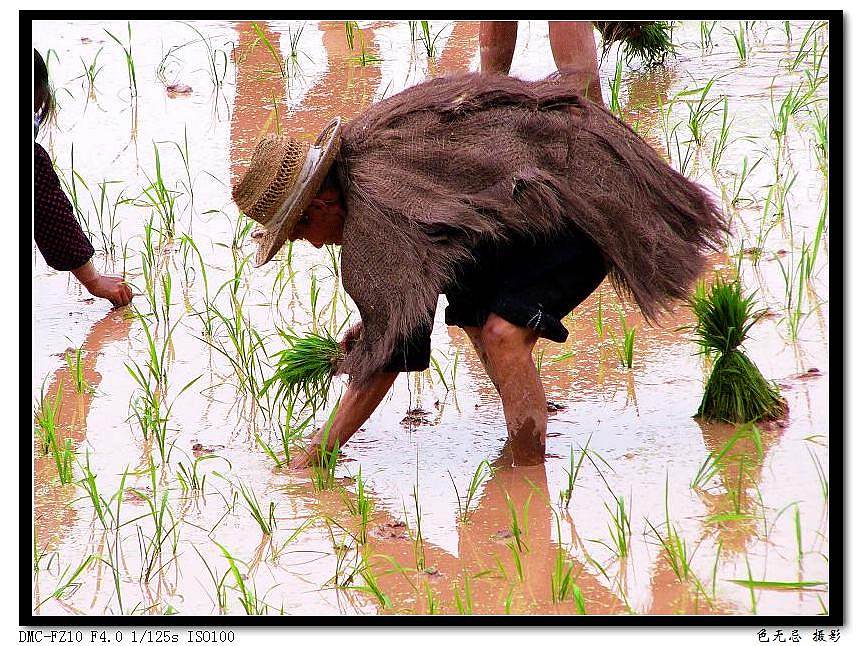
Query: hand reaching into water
(112,288)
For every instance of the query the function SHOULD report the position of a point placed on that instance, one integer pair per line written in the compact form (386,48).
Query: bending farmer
(515,199)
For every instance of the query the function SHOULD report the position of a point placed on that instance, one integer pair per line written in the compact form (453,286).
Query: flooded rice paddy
(169,497)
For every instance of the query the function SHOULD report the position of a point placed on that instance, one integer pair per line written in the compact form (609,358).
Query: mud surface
(170,529)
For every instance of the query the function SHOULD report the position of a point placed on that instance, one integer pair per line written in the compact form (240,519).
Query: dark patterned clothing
(58,235)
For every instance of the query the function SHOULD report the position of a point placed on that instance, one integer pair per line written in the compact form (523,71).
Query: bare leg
(574,48)
(497,45)
(508,355)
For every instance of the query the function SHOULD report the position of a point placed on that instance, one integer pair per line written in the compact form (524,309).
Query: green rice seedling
(804,50)
(291,433)
(718,459)
(674,547)
(682,160)
(620,529)
(46,416)
(306,365)
(266,521)
(797,525)
(793,102)
(821,475)
(615,87)
(795,277)
(562,576)
(91,72)
(100,506)
(739,40)
(190,480)
(313,296)
(342,578)
(160,198)
(110,521)
(518,524)
(540,360)
(69,583)
(106,214)
(47,430)
(815,76)
(740,179)
(130,61)
(273,51)
(71,188)
(482,473)
(428,42)
(244,350)
(188,183)
(323,472)
(165,527)
(218,583)
(516,558)
(821,146)
(735,391)
(706,29)
(418,537)
(268,450)
(580,602)
(441,374)
(600,321)
(572,473)
(247,595)
(64,454)
(464,604)
(294,37)
(352,31)
(205,313)
(432,603)
(699,113)
(372,587)
(722,141)
(216,74)
(165,281)
(150,407)
(363,508)
(625,347)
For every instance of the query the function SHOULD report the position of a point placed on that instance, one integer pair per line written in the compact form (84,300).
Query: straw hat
(282,178)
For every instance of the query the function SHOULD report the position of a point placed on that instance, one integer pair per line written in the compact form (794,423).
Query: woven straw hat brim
(270,242)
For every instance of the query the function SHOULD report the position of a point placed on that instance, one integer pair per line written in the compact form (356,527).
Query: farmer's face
(322,222)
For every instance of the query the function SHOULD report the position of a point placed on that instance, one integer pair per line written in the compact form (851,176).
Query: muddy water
(419,555)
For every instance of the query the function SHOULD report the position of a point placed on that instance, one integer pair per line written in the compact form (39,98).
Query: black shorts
(531,284)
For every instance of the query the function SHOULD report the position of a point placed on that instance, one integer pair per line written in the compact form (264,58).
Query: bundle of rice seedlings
(736,391)
(650,41)
(307,364)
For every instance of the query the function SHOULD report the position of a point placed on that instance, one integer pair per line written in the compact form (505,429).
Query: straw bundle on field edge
(649,41)
(307,363)
(736,391)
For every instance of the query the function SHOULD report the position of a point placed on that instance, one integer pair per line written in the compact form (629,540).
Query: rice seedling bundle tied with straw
(308,363)
(736,391)
(650,41)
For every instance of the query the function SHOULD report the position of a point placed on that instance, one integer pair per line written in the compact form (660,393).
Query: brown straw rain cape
(430,172)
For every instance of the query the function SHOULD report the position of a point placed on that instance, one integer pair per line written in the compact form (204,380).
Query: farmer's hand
(112,288)
(350,337)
